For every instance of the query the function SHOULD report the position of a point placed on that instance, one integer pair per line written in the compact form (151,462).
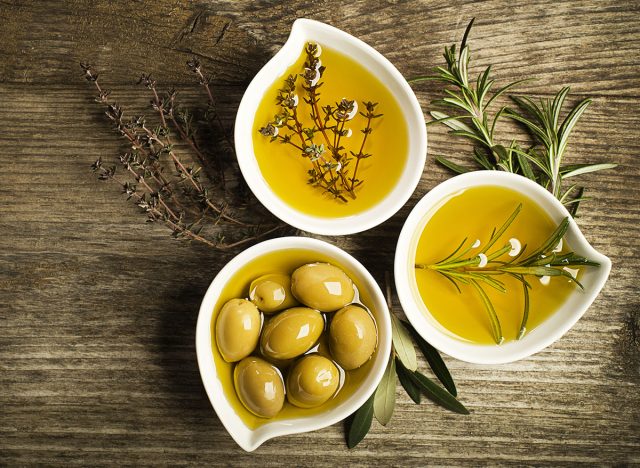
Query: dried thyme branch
(182,122)
(212,114)
(157,196)
(205,81)
(165,107)
(150,205)
(155,138)
(149,202)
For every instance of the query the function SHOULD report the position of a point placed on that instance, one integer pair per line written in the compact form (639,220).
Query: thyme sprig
(322,143)
(192,208)
(467,107)
(480,266)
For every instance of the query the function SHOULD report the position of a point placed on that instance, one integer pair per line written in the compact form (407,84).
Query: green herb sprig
(322,142)
(466,110)
(484,267)
(403,366)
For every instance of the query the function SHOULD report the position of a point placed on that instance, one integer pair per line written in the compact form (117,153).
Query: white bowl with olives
(293,335)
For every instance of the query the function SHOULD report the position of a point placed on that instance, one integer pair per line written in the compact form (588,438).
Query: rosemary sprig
(483,268)
(403,367)
(322,142)
(466,110)
(545,127)
(185,202)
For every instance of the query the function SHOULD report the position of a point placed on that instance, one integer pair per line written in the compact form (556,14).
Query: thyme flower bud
(311,76)
(290,101)
(313,49)
(346,109)
(269,131)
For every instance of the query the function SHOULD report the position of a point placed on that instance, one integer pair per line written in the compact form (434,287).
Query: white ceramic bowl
(246,437)
(305,30)
(535,340)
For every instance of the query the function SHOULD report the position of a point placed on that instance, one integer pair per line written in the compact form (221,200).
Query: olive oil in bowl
(467,290)
(317,149)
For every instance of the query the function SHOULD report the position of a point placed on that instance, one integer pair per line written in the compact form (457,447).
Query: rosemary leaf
(436,363)
(534,270)
(452,122)
(385,395)
(570,121)
(525,165)
(407,382)
(493,317)
(497,234)
(451,165)
(525,314)
(586,168)
(573,209)
(530,125)
(402,344)
(359,425)
(551,242)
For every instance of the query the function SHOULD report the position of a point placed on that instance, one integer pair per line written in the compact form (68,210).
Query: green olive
(312,381)
(237,329)
(352,337)
(322,286)
(259,386)
(291,333)
(272,293)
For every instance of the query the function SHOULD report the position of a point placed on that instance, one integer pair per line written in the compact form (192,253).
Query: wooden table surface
(98,308)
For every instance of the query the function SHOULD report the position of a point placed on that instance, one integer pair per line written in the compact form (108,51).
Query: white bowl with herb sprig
(329,136)
(491,268)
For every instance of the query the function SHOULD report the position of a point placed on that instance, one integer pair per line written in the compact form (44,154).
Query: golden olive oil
(285,170)
(473,214)
(282,262)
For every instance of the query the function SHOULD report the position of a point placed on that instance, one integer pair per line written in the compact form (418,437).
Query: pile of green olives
(294,337)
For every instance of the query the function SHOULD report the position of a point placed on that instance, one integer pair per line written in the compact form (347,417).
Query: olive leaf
(385,396)
(402,367)
(407,383)
(359,426)
(436,363)
(403,344)
(437,394)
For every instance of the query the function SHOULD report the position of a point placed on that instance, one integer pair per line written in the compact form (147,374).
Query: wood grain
(98,308)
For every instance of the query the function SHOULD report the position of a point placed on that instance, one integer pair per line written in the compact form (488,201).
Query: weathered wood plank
(98,308)
(591,45)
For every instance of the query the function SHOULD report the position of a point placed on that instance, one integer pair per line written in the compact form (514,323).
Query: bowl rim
(552,329)
(250,439)
(303,30)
